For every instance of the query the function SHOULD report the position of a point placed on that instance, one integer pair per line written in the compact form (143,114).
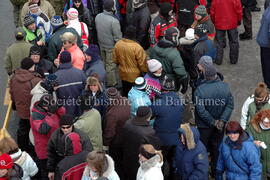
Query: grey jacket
(108,29)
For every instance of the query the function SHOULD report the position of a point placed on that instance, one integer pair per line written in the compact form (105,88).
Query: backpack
(212,50)
(84,38)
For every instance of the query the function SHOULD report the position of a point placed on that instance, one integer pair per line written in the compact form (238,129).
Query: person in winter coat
(203,46)
(201,17)
(42,66)
(69,89)
(22,158)
(69,41)
(94,6)
(130,57)
(264,43)
(99,165)
(259,128)
(73,165)
(108,32)
(94,90)
(85,16)
(90,123)
(118,112)
(151,162)
(9,170)
(42,21)
(213,108)
(93,63)
(56,148)
(152,78)
(168,112)
(141,19)
(226,16)
(191,158)
(137,131)
(137,96)
(258,101)
(167,54)
(44,121)
(33,34)
(238,157)
(47,86)
(17,7)
(21,83)
(17,51)
(55,44)
(44,5)
(161,23)
(81,28)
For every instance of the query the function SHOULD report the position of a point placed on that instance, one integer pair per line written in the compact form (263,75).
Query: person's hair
(19,38)
(262,114)
(98,160)
(261,90)
(149,149)
(234,126)
(91,80)
(8,145)
(70,37)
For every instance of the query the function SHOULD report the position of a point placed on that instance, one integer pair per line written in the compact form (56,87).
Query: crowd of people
(99,89)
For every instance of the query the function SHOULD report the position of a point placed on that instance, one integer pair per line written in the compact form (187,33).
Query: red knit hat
(5,162)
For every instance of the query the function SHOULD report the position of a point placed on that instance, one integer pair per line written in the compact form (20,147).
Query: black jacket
(136,133)
(44,66)
(56,148)
(141,20)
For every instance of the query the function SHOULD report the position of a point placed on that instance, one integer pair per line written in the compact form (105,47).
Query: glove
(239,23)
(184,83)
(219,124)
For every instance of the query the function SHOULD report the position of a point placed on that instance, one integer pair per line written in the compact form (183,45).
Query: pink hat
(5,161)
(72,14)
(153,65)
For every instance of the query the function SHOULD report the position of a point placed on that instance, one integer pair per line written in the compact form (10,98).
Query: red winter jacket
(226,14)
(43,125)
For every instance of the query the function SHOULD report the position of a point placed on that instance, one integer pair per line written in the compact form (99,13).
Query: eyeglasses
(66,127)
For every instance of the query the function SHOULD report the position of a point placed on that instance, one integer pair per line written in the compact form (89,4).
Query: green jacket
(170,58)
(255,130)
(90,123)
(14,55)
(252,109)
(33,37)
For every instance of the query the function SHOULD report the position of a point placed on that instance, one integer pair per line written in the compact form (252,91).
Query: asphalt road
(242,77)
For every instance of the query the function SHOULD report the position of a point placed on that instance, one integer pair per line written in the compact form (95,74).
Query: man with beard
(254,103)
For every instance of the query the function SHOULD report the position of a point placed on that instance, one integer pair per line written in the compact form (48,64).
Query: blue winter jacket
(71,84)
(263,37)
(168,112)
(213,101)
(192,164)
(247,156)
(138,98)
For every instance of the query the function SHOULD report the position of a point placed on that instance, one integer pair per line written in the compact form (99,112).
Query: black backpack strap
(235,162)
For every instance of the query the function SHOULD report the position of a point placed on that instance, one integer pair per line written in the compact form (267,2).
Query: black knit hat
(109,5)
(173,34)
(28,20)
(36,50)
(165,8)
(201,30)
(27,63)
(168,84)
(65,57)
(66,119)
(112,93)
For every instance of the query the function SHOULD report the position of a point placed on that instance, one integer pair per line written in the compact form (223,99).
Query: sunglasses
(65,127)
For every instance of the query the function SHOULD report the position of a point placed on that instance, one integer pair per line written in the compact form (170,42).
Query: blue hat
(93,51)
(56,21)
(65,57)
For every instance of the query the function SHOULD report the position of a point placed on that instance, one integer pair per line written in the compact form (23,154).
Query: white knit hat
(72,14)
(153,65)
(189,34)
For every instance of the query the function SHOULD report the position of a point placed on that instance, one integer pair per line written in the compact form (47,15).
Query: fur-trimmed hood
(152,162)
(107,173)
(192,136)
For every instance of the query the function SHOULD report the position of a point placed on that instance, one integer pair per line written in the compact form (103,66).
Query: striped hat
(72,14)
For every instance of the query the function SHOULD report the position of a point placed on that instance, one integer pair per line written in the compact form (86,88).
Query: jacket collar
(65,66)
(150,163)
(139,121)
